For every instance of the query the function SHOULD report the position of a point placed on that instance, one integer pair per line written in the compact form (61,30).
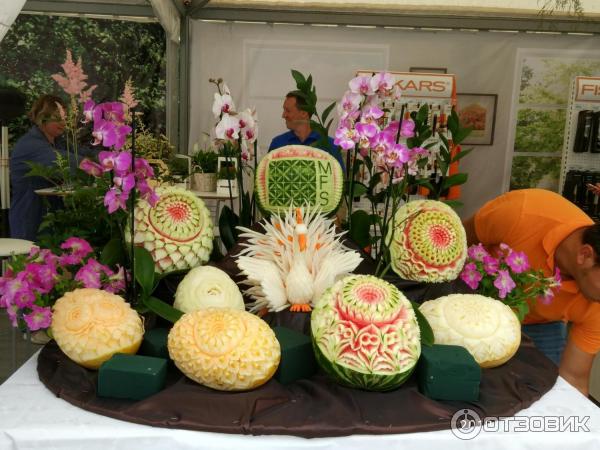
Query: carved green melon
(427,242)
(365,333)
(298,175)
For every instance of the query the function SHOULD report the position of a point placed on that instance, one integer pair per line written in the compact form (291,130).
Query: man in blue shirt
(298,122)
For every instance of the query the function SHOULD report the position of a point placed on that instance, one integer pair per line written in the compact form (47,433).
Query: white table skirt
(31,417)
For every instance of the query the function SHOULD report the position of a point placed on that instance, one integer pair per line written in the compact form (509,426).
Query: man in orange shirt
(553,233)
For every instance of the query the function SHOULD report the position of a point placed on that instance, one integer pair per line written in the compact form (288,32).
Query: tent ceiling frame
(93,8)
(404,20)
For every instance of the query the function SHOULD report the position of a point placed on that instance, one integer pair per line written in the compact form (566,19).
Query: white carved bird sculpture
(294,260)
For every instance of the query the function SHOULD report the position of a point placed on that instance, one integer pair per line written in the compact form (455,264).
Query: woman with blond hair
(39,145)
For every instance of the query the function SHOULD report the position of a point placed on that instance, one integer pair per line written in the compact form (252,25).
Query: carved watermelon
(177,231)
(427,242)
(297,175)
(365,333)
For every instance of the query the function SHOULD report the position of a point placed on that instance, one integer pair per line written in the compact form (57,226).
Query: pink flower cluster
(32,283)
(363,126)
(507,276)
(73,82)
(124,179)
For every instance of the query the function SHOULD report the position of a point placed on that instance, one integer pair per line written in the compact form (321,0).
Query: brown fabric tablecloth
(315,407)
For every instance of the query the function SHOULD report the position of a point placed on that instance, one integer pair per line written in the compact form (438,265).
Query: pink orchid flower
(361,85)
(349,103)
(345,138)
(115,199)
(382,82)
(91,168)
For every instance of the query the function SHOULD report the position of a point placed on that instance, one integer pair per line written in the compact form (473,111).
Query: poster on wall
(539,113)
(478,112)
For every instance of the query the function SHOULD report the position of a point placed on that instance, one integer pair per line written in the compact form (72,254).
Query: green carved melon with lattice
(427,242)
(298,175)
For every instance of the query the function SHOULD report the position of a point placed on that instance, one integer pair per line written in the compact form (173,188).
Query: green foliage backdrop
(111,50)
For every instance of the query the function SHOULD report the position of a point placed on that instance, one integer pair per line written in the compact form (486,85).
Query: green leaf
(113,253)
(454,180)
(426,183)
(461,135)
(228,220)
(144,269)
(460,155)
(454,204)
(162,309)
(326,112)
(359,189)
(427,336)
(453,123)
(360,231)
(299,78)
(422,114)
(444,139)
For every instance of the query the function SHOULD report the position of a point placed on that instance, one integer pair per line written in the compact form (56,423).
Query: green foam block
(132,377)
(297,357)
(155,343)
(448,372)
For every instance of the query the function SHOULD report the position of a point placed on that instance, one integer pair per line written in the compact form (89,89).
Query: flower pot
(223,187)
(204,182)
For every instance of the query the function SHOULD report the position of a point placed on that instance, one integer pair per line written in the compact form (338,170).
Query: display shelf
(584,95)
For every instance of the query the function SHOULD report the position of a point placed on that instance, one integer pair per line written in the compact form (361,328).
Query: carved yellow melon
(91,325)
(225,349)
(487,328)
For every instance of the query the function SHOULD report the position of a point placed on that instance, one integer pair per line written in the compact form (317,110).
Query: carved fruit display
(224,349)
(91,325)
(205,287)
(486,327)
(365,333)
(177,231)
(427,242)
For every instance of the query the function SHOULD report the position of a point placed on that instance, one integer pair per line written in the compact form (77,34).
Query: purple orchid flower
(88,111)
(345,138)
(115,199)
(91,168)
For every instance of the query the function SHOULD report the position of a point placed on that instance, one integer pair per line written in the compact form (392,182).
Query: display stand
(584,96)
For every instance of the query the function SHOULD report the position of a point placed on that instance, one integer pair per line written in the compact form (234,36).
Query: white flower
(228,128)
(223,104)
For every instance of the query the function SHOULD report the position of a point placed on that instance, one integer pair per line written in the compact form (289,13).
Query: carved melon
(365,333)
(224,349)
(298,175)
(486,327)
(91,325)
(427,242)
(205,287)
(177,231)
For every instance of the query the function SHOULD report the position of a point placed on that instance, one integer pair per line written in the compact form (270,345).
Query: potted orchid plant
(389,155)
(236,134)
